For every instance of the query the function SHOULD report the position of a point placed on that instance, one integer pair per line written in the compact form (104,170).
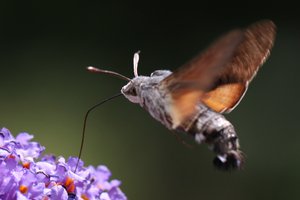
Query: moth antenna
(102,71)
(85,122)
(136,58)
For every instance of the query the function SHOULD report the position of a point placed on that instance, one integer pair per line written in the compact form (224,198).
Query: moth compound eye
(132,91)
(129,89)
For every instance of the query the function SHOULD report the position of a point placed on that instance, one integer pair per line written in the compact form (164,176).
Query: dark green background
(45,90)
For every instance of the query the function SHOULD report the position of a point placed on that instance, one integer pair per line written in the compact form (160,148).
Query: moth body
(193,98)
(206,127)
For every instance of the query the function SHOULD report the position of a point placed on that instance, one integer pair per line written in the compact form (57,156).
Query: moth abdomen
(219,134)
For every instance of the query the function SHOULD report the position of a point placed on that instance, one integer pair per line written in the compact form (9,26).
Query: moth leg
(181,140)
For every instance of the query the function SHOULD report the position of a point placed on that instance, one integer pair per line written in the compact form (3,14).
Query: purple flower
(25,174)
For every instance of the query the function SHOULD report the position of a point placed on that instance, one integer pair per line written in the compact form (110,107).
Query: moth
(194,97)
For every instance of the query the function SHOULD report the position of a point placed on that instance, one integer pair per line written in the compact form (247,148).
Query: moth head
(134,89)
(131,91)
(134,86)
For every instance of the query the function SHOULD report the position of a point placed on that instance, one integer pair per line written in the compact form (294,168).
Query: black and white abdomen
(213,129)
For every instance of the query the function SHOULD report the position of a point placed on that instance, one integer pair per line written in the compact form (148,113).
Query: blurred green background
(45,90)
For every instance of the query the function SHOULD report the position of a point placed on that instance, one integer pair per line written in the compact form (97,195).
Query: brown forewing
(249,56)
(188,83)
(219,76)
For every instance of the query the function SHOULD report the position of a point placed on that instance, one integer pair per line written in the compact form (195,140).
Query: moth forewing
(250,54)
(187,85)
(219,77)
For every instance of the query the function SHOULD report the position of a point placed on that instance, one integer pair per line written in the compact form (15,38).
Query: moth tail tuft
(231,161)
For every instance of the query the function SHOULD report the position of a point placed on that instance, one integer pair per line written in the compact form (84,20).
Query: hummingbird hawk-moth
(193,98)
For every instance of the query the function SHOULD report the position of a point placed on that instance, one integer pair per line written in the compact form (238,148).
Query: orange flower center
(84,197)
(23,189)
(69,184)
(26,165)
